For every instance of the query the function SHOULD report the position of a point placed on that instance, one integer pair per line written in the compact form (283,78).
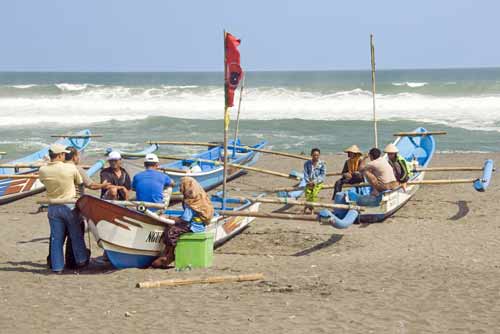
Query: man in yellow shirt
(60,181)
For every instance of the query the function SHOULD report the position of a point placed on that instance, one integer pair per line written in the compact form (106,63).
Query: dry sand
(433,267)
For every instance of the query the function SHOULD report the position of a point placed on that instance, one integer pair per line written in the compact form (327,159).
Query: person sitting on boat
(401,168)
(60,180)
(198,212)
(314,175)
(152,185)
(119,183)
(350,172)
(73,157)
(378,172)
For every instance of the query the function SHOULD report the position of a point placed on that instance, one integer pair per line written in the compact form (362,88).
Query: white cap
(151,157)
(58,148)
(114,155)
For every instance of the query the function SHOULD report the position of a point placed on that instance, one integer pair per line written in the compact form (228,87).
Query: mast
(226,126)
(372,52)
(238,117)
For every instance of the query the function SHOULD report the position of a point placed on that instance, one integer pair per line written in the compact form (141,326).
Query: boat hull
(133,240)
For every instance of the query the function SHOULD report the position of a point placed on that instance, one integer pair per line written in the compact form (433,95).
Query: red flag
(233,71)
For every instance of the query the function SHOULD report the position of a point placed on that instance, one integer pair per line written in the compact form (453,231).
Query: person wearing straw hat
(401,168)
(60,180)
(350,171)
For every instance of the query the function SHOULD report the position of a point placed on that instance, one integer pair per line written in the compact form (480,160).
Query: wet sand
(432,267)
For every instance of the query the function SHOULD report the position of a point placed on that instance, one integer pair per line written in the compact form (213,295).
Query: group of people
(65,181)
(382,174)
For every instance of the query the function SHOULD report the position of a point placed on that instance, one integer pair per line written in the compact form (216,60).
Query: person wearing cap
(151,185)
(401,167)
(314,175)
(350,171)
(378,172)
(60,181)
(119,183)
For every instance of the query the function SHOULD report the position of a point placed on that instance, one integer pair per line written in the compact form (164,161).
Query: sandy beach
(433,267)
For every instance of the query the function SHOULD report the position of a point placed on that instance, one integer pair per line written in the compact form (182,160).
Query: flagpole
(238,117)
(226,127)
(372,52)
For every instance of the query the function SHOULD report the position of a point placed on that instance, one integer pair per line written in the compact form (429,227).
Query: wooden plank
(18,176)
(202,280)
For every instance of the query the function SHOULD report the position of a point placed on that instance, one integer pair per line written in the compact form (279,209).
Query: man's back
(60,179)
(149,185)
(382,170)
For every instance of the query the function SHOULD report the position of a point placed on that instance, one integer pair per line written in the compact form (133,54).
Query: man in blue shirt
(152,185)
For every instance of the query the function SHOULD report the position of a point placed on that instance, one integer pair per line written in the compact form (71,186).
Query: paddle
(261,150)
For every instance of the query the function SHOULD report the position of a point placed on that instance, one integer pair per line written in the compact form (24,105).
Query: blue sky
(164,35)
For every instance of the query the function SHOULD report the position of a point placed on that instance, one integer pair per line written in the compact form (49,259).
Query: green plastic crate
(195,250)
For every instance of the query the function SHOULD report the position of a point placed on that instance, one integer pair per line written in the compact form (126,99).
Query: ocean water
(294,111)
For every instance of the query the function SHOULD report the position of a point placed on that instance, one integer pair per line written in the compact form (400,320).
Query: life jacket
(407,166)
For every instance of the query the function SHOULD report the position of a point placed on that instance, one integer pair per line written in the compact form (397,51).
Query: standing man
(74,157)
(314,175)
(60,180)
(118,179)
(152,185)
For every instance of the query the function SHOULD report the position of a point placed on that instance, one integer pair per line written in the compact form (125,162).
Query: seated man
(350,172)
(314,175)
(400,166)
(378,172)
(118,179)
(152,185)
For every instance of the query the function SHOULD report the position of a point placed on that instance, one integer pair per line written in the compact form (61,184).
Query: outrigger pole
(372,52)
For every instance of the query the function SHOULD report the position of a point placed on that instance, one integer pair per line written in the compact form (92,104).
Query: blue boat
(416,149)
(14,189)
(207,168)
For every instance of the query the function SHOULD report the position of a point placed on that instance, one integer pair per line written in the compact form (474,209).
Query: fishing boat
(13,189)
(208,168)
(418,149)
(132,239)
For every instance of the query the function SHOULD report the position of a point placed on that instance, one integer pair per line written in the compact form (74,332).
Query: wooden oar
(421,182)
(419,134)
(261,150)
(199,280)
(75,136)
(18,176)
(303,203)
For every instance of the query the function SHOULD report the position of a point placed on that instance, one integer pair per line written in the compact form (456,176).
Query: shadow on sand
(333,239)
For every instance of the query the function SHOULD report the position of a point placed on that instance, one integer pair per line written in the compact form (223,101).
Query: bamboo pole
(418,134)
(18,176)
(76,136)
(421,182)
(432,169)
(261,150)
(298,202)
(255,214)
(226,125)
(200,280)
(3,153)
(33,166)
(372,53)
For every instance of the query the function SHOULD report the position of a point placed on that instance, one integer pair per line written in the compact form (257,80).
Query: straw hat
(391,148)
(353,149)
